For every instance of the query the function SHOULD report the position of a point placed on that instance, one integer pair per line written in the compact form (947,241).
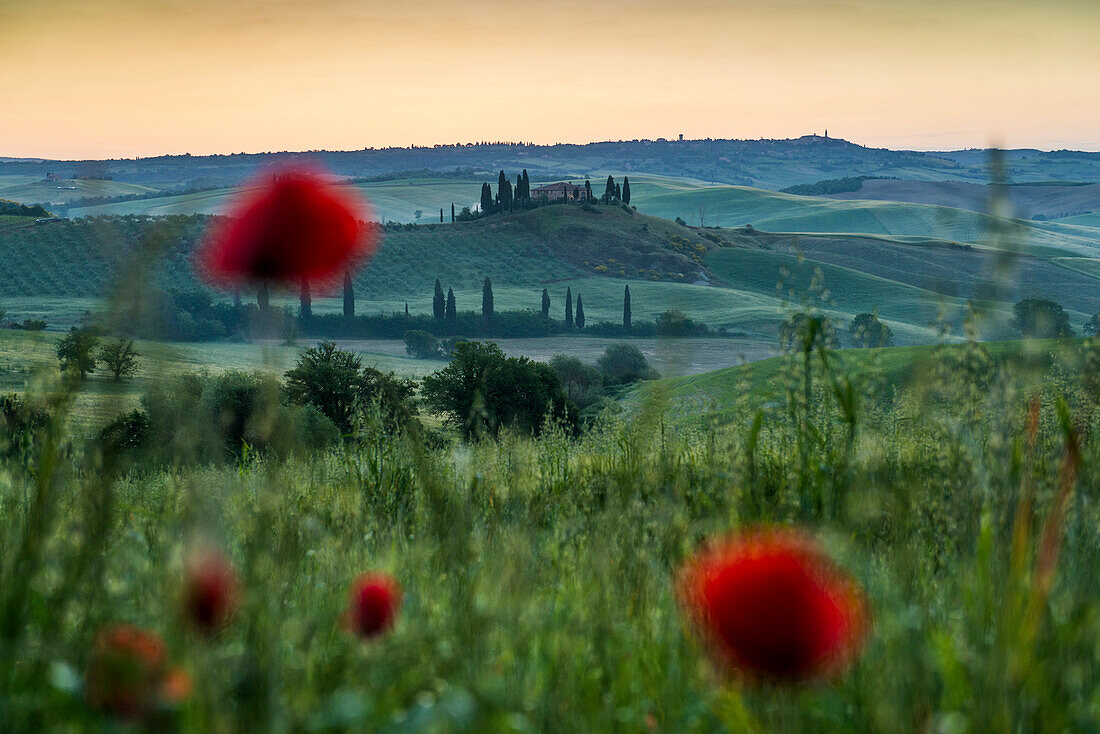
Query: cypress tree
(626,190)
(487,299)
(452,311)
(580,313)
(452,212)
(618,192)
(545,304)
(609,190)
(438,304)
(519,189)
(526,186)
(486,199)
(568,308)
(588,189)
(626,308)
(263,298)
(406,309)
(305,301)
(349,297)
(237,297)
(504,192)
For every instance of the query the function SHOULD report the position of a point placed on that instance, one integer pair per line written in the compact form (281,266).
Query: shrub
(623,364)
(422,345)
(582,383)
(482,391)
(867,331)
(1038,318)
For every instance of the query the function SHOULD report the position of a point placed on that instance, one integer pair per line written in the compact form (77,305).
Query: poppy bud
(373,604)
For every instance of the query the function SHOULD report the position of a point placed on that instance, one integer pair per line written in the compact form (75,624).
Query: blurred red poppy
(291,227)
(211,590)
(128,675)
(373,604)
(771,605)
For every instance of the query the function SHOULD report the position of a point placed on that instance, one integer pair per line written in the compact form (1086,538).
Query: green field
(34,190)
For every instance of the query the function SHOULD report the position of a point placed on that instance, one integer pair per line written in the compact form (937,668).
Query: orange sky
(85,78)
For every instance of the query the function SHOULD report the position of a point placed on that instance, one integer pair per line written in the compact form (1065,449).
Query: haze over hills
(770,164)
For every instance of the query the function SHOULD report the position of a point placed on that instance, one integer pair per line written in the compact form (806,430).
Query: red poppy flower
(373,604)
(210,592)
(772,605)
(128,675)
(290,228)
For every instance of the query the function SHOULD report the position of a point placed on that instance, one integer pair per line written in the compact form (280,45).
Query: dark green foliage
(579,319)
(609,191)
(831,186)
(21,424)
(349,296)
(1038,318)
(14,209)
(451,310)
(676,323)
(799,333)
(128,435)
(526,186)
(583,383)
(623,364)
(487,300)
(588,190)
(119,357)
(482,391)
(866,330)
(77,352)
(487,205)
(263,298)
(626,307)
(305,301)
(504,192)
(545,303)
(422,345)
(1092,326)
(335,382)
(439,303)
(626,190)
(452,212)
(568,308)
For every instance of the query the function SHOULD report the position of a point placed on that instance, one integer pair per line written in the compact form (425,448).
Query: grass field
(34,190)
(539,575)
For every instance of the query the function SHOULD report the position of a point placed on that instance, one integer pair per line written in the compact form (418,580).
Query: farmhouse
(557,191)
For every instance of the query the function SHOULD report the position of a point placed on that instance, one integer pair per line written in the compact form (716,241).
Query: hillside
(737,278)
(772,164)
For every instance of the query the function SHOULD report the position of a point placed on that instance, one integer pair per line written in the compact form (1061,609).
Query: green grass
(539,575)
(33,190)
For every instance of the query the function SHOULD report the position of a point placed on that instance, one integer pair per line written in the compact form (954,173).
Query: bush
(1038,318)
(21,424)
(582,383)
(623,364)
(805,332)
(1092,326)
(867,331)
(482,391)
(422,345)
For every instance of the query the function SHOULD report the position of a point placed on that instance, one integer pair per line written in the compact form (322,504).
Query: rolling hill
(741,279)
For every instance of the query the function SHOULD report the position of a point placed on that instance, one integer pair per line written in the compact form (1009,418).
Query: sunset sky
(87,78)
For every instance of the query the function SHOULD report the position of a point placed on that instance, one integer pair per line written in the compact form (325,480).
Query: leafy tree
(582,383)
(76,352)
(438,302)
(623,364)
(580,313)
(545,303)
(569,308)
(349,297)
(1092,326)
(867,331)
(674,322)
(120,358)
(482,391)
(487,299)
(452,309)
(626,307)
(801,332)
(306,302)
(626,190)
(1038,318)
(331,380)
(422,345)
